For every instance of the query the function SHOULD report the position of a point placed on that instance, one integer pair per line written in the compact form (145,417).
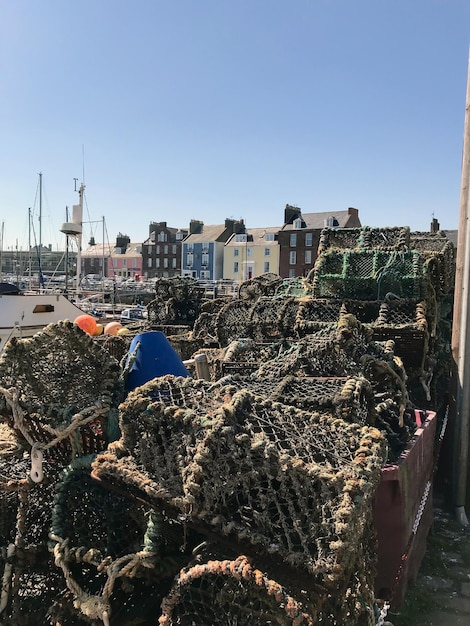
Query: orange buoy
(99,330)
(112,328)
(87,323)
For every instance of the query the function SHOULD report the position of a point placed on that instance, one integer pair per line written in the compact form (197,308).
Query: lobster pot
(264,285)
(233,321)
(111,547)
(60,392)
(369,274)
(266,317)
(293,485)
(439,253)
(365,238)
(116,346)
(30,581)
(222,592)
(351,398)
(405,321)
(296,287)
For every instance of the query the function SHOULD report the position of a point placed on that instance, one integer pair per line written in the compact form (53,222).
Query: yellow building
(251,254)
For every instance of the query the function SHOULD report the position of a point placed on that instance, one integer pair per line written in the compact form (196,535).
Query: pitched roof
(256,237)
(317,221)
(209,233)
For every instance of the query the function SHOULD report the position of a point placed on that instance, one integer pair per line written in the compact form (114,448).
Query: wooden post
(460,339)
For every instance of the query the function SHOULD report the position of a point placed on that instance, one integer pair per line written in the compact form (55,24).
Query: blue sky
(206,109)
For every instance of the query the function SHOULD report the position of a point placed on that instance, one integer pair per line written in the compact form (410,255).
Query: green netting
(369,274)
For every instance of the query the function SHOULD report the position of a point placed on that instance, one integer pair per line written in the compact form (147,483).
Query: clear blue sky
(207,109)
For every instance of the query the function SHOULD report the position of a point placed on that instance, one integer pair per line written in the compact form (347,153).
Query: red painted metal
(396,508)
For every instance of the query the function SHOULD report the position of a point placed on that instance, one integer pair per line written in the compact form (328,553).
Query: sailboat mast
(40,220)
(78,220)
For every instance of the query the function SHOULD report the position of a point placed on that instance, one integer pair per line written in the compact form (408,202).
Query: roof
(209,233)
(317,221)
(256,237)
(98,250)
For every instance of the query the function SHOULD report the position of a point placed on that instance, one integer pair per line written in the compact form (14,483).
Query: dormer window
(269,236)
(241,238)
(298,223)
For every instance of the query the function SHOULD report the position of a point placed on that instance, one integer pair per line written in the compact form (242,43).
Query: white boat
(24,314)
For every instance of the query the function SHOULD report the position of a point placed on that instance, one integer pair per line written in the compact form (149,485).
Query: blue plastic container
(152,355)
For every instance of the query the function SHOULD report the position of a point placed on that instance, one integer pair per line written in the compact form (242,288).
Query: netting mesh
(216,457)
(177,301)
(225,592)
(368,274)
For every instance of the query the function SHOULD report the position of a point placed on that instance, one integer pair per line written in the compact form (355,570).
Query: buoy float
(99,330)
(112,328)
(87,323)
(123,331)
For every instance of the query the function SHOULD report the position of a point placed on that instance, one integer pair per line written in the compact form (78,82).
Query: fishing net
(290,484)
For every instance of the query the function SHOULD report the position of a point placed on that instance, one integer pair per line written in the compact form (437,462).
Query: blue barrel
(151,355)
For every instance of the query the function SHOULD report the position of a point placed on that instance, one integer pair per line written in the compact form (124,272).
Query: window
(269,236)
(165,262)
(249,252)
(134,262)
(173,263)
(298,223)
(114,262)
(236,252)
(205,258)
(293,240)
(189,259)
(157,250)
(241,238)
(149,249)
(149,262)
(157,263)
(267,251)
(266,267)
(173,248)
(291,273)
(235,267)
(162,236)
(124,263)
(308,257)
(292,257)
(308,239)
(165,249)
